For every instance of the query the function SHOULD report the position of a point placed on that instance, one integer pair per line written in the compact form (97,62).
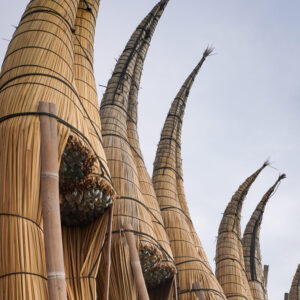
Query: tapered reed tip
(281,176)
(208,51)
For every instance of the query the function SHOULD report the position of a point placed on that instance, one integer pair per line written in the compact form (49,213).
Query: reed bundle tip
(282,176)
(208,51)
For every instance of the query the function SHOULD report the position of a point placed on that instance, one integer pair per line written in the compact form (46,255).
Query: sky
(243,108)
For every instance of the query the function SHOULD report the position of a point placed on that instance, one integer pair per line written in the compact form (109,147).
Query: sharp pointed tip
(266,163)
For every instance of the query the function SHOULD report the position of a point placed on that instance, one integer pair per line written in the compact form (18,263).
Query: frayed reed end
(281,176)
(266,163)
(208,51)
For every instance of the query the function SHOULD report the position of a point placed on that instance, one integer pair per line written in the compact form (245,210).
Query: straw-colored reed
(161,270)
(38,66)
(230,266)
(84,246)
(196,279)
(251,246)
(131,207)
(90,206)
(294,293)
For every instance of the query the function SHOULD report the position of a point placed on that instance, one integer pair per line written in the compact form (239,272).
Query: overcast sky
(244,107)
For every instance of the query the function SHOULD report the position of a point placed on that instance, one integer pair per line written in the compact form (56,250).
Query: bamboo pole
(50,202)
(286,296)
(266,274)
(108,253)
(175,286)
(136,264)
(36,67)
(197,287)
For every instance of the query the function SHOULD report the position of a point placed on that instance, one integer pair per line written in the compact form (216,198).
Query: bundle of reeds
(132,207)
(163,269)
(90,198)
(251,246)
(294,293)
(230,266)
(196,279)
(83,246)
(39,66)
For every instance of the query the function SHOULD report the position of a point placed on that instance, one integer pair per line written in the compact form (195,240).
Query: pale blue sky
(244,106)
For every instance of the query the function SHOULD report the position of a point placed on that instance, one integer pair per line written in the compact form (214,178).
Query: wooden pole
(109,236)
(197,290)
(266,274)
(286,296)
(176,288)
(49,194)
(136,264)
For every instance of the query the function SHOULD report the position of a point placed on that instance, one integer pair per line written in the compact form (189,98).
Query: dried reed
(157,277)
(84,246)
(251,246)
(38,66)
(131,208)
(195,275)
(230,267)
(294,293)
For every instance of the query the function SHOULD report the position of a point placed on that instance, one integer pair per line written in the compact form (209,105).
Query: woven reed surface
(195,275)
(131,207)
(230,267)
(38,66)
(251,247)
(294,293)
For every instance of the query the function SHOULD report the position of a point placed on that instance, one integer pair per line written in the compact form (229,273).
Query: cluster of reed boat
(80,216)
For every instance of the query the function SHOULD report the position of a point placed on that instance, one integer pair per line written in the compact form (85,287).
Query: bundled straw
(38,66)
(84,246)
(132,207)
(162,271)
(294,293)
(251,246)
(87,195)
(195,275)
(230,267)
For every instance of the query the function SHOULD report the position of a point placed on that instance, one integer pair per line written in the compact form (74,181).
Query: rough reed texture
(87,199)
(251,246)
(294,293)
(83,246)
(230,267)
(162,273)
(195,275)
(38,66)
(83,249)
(131,207)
